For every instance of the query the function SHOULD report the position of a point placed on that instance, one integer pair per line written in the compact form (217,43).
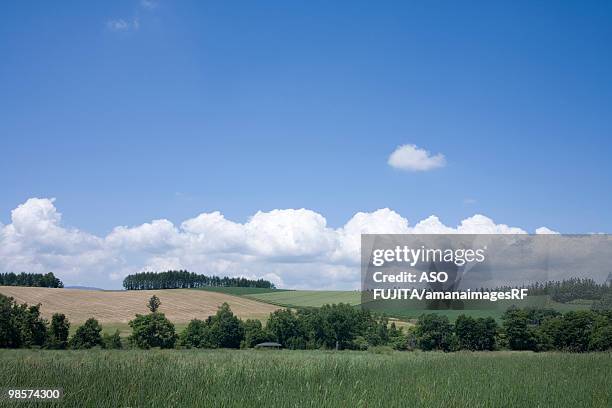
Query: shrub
(87,336)
(112,341)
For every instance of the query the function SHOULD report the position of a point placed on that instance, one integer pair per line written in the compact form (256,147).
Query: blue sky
(127,112)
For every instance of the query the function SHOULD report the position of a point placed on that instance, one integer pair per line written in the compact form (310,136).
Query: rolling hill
(115,307)
(307,298)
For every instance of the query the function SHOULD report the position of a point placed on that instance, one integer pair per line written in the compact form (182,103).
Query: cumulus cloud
(412,158)
(290,247)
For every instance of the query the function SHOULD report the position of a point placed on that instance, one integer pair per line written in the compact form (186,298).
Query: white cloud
(291,247)
(544,230)
(410,157)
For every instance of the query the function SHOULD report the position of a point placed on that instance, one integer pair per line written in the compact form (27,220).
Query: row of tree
(22,326)
(568,290)
(47,280)
(521,329)
(338,326)
(187,280)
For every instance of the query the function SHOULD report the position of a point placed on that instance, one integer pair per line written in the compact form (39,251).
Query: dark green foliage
(571,289)
(152,330)
(226,329)
(87,336)
(21,325)
(435,332)
(575,331)
(475,334)
(58,332)
(187,280)
(112,341)
(154,304)
(223,330)
(254,333)
(47,280)
(339,326)
(8,332)
(285,328)
(519,335)
(197,334)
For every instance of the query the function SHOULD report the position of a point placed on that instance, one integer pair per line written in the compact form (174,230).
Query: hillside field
(307,298)
(237,378)
(116,308)
(401,310)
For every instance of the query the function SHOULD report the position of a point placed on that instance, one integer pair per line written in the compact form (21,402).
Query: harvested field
(179,305)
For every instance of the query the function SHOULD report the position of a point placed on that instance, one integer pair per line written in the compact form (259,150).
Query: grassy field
(307,298)
(118,307)
(224,378)
(407,309)
(237,291)
(403,310)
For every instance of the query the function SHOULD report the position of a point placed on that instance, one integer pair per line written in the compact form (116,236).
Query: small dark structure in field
(268,345)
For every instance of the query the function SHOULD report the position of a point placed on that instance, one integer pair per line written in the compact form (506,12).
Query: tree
(341,324)
(58,332)
(434,332)
(21,325)
(152,330)
(87,336)
(30,279)
(575,330)
(185,279)
(601,336)
(154,304)
(197,334)
(31,326)
(223,330)
(10,336)
(226,330)
(285,327)
(517,331)
(475,334)
(254,333)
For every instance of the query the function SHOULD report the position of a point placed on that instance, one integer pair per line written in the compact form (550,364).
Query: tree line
(567,290)
(187,280)
(338,326)
(47,280)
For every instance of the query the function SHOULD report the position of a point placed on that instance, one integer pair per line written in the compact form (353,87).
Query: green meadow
(307,298)
(237,378)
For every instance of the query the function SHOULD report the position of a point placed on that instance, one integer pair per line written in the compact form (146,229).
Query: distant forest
(39,280)
(187,280)
(568,290)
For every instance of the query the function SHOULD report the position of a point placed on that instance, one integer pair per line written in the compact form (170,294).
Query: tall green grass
(223,378)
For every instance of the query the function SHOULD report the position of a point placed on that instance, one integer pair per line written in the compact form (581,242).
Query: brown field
(179,305)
